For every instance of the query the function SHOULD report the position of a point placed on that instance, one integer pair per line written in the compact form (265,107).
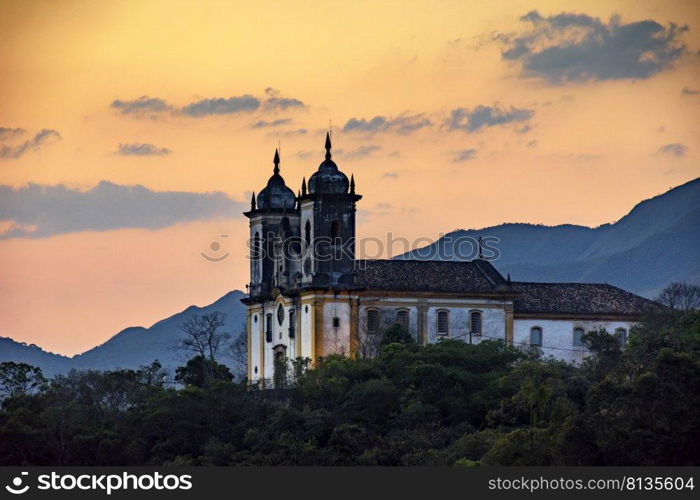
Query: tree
(681,296)
(202,372)
(203,335)
(19,379)
(397,334)
(239,348)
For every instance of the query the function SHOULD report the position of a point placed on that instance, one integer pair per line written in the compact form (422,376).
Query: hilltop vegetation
(445,404)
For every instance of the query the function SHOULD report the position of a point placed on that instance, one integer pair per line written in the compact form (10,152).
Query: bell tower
(327,226)
(273,217)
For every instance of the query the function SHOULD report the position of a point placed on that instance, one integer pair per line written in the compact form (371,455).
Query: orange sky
(590,149)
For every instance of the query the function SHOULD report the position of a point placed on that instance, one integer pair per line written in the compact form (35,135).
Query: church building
(309,296)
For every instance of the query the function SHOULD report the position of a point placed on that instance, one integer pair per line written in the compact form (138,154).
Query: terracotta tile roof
(477,276)
(578,298)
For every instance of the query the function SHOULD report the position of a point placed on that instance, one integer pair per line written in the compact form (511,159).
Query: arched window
(621,335)
(292,323)
(307,232)
(268,327)
(372,321)
(335,230)
(475,322)
(536,336)
(578,337)
(443,322)
(402,318)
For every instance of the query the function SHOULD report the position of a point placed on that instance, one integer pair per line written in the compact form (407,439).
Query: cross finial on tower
(276,161)
(328,146)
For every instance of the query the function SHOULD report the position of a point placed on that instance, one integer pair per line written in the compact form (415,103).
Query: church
(309,296)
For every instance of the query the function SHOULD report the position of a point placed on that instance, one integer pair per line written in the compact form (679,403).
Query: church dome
(328,178)
(276,195)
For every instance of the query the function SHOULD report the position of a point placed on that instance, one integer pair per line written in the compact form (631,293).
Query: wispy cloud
(40,139)
(403,124)
(8,133)
(465,155)
(570,47)
(141,149)
(357,153)
(675,149)
(473,120)
(221,106)
(689,91)
(38,210)
(272,123)
(142,106)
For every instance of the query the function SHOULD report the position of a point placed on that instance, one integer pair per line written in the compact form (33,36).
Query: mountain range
(656,243)
(135,346)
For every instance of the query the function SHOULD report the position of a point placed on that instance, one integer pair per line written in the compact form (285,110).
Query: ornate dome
(328,179)
(276,195)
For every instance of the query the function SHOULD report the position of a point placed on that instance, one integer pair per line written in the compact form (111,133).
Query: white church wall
(558,335)
(254,348)
(306,322)
(336,339)
(493,322)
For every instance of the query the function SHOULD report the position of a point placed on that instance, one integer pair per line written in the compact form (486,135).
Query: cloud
(465,155)
(141,106)
(221,106)
(7,132)
(674,149)
(390,175)
(403,124)
(357,153)
(571,47)
(40,139)
(273,123)
(38,211)
(282,103)
(308,153)
(486,116)
(141,149)
(689,91)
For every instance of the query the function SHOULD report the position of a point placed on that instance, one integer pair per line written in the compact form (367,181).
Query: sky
(132,133)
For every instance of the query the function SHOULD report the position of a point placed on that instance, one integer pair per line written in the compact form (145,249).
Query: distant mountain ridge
(134,346)
(656,243)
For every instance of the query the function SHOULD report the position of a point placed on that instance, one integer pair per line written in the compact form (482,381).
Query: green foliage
(397,334)
(450,404)
(19,379)
(202,372)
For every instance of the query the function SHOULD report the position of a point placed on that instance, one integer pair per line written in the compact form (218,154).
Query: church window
(475,322)
(402,318)
(268,327)
(578,337)
(621,334)
(292,324)
(257,251)
(335,230)
(372,322)
(280,314)
(443,322)
(307,232)
(536,336)
(336,322)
